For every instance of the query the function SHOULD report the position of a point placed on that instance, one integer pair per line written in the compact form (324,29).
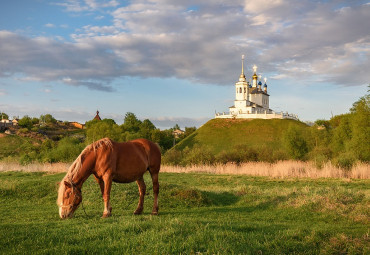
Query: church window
(240,90)
(245,90)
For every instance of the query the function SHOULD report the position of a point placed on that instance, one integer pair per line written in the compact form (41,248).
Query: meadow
(200,213)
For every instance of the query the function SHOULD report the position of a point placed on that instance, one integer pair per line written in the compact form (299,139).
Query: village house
(177,133)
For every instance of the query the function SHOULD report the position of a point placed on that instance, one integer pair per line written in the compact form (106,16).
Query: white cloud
(200,41)
(169,122)
(49,25)
(86,5)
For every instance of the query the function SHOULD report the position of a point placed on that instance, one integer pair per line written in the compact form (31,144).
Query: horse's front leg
(101,185)
(106,196)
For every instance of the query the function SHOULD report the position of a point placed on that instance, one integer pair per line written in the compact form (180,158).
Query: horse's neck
(85,171)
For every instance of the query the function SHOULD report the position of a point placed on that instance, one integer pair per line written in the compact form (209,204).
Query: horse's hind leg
(142,189)
(156,192)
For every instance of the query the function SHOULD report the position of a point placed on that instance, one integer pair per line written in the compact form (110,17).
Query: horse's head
(69,198)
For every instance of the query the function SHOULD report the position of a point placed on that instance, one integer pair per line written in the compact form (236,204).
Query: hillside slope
(225,134)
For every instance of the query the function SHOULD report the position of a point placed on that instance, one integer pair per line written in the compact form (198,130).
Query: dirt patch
(2,135)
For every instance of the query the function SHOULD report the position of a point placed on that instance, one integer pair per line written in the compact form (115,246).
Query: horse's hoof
(138,212)
(154,213)
(106,215)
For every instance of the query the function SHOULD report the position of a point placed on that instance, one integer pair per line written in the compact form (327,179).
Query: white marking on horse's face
(60,212)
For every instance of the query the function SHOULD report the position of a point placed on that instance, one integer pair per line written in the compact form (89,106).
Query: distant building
(252,101)
(5,123)
(97,117)
(177,133)
(77,125)
(15,122)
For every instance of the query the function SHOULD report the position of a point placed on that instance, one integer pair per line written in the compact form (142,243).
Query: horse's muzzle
(65,215)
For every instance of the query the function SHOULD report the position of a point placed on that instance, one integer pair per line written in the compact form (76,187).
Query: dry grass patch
(280,169)
(35,167)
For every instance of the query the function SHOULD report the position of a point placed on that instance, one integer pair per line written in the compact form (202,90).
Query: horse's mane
(77,164)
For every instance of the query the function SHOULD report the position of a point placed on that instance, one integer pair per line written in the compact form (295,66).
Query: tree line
(343,140)
(65,146)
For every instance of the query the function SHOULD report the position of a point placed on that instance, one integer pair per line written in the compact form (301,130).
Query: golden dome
(255,77)
(242,77)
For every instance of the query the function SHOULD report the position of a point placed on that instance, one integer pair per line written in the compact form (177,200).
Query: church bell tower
(241,87)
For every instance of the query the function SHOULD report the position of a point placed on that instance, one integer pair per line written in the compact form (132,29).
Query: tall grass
(280,169)
(35,167)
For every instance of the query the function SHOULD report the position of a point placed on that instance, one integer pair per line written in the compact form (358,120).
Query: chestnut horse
(110,161)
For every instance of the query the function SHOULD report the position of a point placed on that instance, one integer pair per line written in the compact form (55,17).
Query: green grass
(224,134)
(210,214)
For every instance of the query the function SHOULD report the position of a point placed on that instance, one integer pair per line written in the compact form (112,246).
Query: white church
(252,101)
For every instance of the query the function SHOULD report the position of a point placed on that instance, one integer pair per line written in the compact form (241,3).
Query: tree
(295,142)
(131,123)
(360,124)
(146,129)
(324,123)
(342,134)
(163,138)
(189,131)
(101,129)
(25,122)
(3,115)
(48,119)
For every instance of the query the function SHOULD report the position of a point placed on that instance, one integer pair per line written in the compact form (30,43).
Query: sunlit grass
(203,213)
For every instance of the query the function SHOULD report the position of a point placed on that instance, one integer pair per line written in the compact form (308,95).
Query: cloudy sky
(176,61)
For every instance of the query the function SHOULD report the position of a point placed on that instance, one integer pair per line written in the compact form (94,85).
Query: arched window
(240,90)
(245,90)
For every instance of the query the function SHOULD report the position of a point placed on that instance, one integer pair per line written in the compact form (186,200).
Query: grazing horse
(110,161)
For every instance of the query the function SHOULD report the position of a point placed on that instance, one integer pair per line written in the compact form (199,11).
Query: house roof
(97,117)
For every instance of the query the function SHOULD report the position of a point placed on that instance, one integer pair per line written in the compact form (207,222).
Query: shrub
(67,150)
(239,154)
(279,154)
(295,143)
(25,159)
(345,161)
(172,157)
(198,155)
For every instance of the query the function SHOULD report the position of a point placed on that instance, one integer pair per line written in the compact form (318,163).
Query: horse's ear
(67,184)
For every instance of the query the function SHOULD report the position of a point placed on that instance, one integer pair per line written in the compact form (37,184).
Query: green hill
(225,134)
(223,138)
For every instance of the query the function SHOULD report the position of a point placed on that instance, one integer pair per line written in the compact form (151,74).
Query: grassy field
(199,213)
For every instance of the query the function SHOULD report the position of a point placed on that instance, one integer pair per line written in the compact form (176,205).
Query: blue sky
(177,61)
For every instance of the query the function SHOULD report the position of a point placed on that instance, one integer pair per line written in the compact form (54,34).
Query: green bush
(345,161)
(295,143)
(172,157)
(25,159)
(66,150)
(198,155)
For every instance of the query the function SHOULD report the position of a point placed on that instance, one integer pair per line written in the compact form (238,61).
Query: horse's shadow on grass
(227,202)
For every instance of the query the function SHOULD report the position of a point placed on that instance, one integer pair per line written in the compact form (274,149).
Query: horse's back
(134,158)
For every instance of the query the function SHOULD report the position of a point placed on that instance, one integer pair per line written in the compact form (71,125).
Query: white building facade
(252,100)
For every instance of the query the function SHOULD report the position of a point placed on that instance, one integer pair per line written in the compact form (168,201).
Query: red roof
(97,117)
